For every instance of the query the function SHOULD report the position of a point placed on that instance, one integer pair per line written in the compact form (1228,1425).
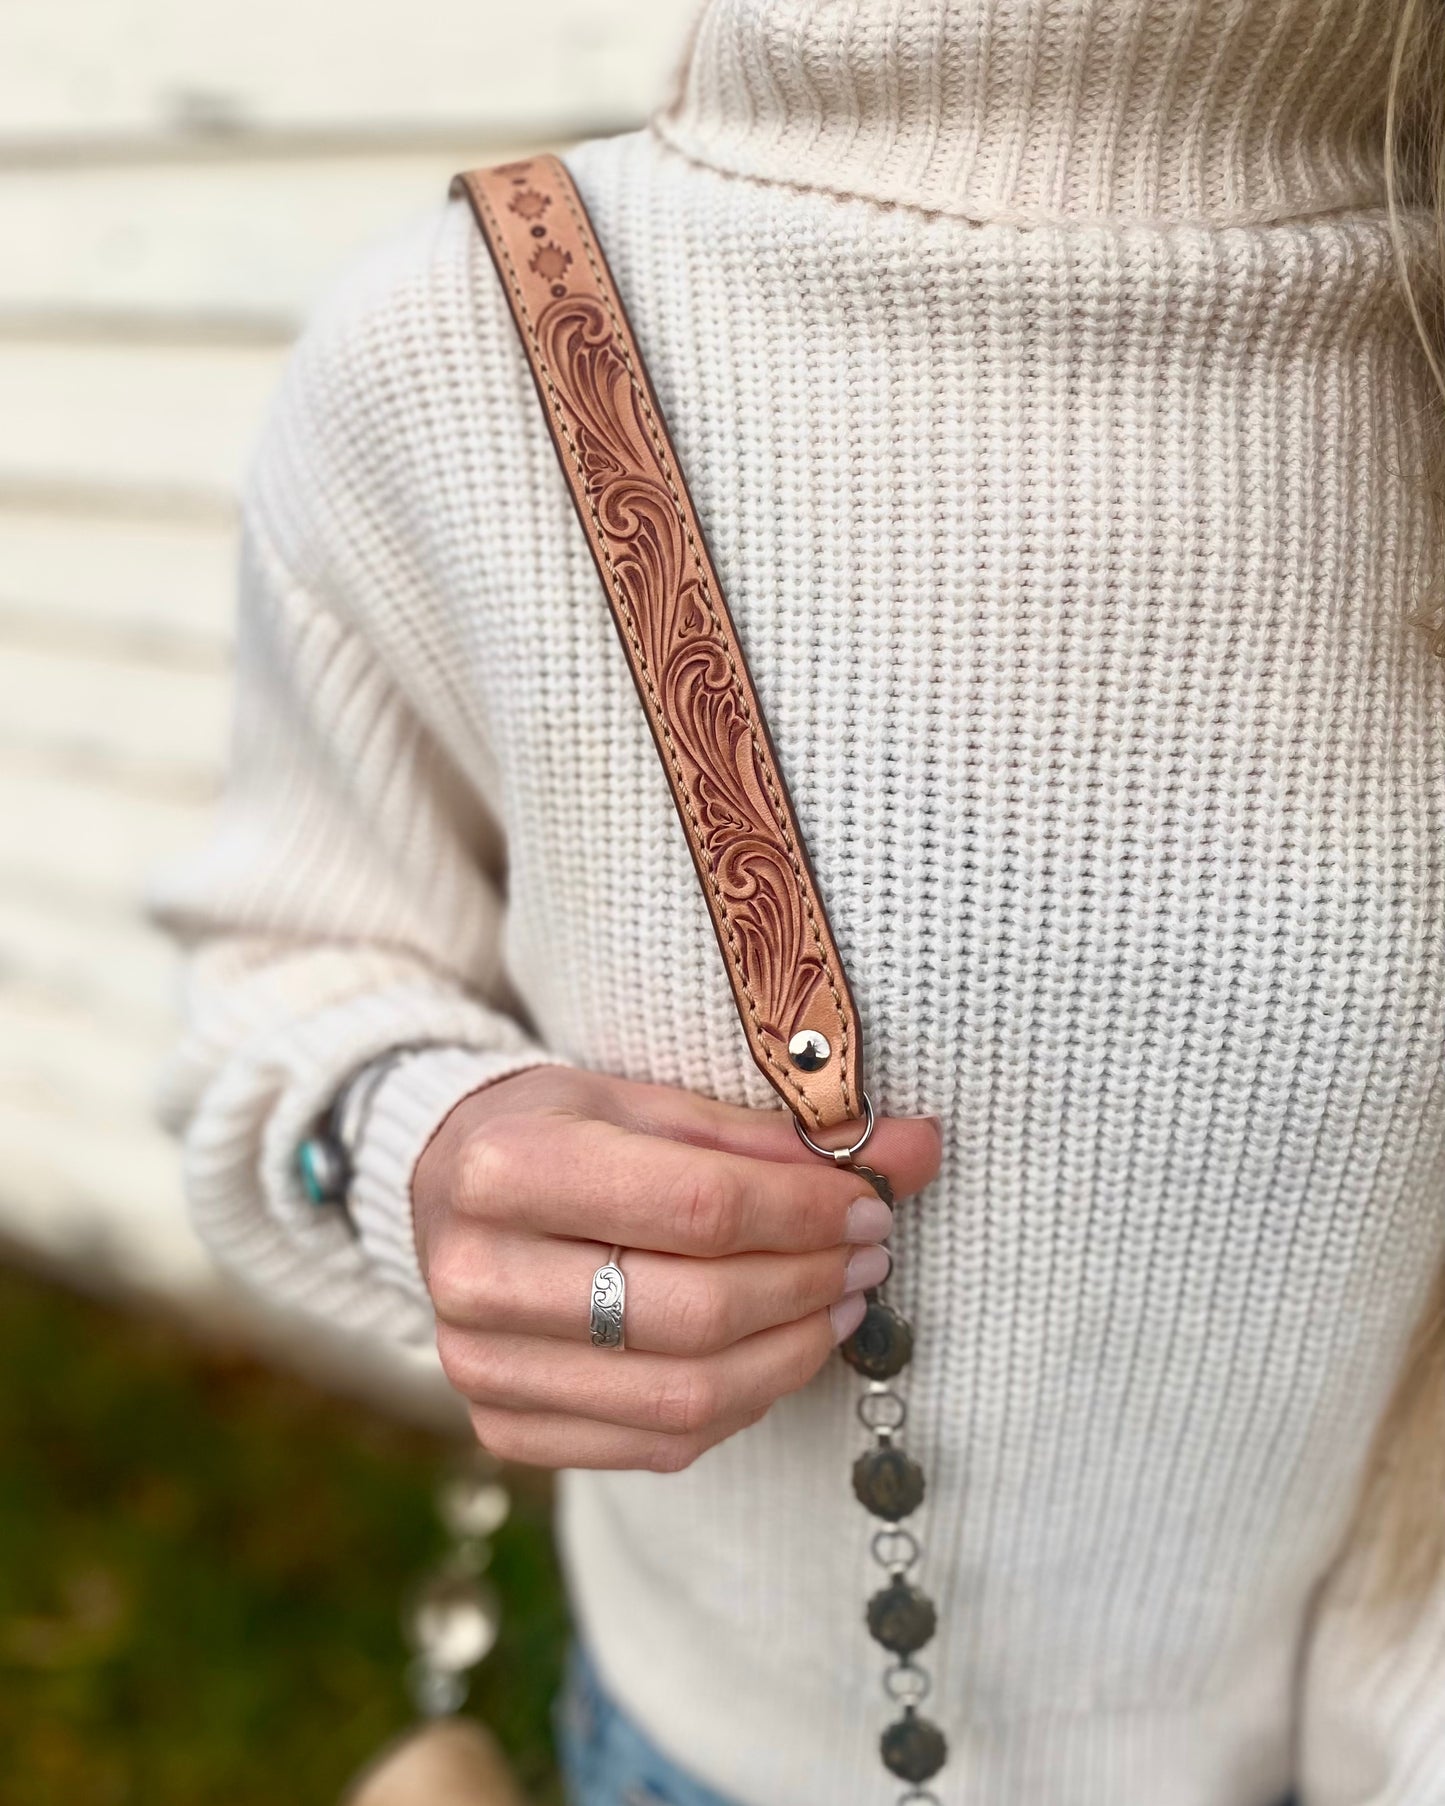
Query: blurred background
(207,1514)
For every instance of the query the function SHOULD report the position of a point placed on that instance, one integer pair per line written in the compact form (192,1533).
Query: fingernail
(869,1266)
(847,1315)
(869,1220)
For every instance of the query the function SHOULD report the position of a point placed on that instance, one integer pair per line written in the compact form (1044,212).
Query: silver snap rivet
(808,1050)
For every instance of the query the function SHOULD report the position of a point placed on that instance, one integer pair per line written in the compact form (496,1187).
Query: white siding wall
(176,182)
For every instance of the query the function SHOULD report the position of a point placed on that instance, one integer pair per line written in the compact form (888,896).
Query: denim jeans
(608,1762)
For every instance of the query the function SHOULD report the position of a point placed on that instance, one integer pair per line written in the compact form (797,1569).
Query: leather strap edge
(682,648)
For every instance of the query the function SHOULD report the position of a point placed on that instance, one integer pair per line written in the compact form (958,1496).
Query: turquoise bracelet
(323,1159)
(323,1169)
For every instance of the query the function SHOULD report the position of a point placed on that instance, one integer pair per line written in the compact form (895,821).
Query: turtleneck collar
(1028,110)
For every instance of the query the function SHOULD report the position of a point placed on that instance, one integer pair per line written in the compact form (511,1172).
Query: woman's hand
(746,1258)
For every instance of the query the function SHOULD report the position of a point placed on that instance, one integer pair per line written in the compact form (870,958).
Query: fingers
(596,1181)
(654,1393)
(552,1439)
(905,1148)
(509,1284)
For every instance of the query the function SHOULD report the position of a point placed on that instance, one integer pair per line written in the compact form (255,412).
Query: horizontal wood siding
(177,184)
(154,69)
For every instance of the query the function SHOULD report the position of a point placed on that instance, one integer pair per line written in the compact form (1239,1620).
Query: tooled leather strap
(678,636)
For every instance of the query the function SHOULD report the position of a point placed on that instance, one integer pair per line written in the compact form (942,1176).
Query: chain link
(896,1549)
(882,1410)
(906,1684)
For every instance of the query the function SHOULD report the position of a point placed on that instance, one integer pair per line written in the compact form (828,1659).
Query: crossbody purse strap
(669,610)
(668,606)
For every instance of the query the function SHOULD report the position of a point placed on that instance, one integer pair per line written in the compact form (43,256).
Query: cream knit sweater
(1040,377)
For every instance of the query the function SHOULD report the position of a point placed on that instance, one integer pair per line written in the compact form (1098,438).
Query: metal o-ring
(896,1549)
(882,1410)
(841,1155)
(919,1684)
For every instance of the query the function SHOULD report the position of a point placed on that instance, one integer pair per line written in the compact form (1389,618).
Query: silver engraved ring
(609,1300)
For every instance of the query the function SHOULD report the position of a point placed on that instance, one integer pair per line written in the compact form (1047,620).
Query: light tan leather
(679,638)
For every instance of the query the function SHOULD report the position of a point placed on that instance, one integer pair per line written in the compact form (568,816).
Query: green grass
(201,1565)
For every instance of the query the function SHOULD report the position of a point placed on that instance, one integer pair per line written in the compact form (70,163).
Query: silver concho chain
(889,1483)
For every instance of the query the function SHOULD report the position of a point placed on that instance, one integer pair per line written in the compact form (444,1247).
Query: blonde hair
(1399,1527)
(1414,122)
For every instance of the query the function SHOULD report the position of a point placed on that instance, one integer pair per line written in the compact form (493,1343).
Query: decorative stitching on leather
(682,789)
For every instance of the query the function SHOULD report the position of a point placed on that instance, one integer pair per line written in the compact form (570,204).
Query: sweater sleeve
(343,906)
(1373,1711)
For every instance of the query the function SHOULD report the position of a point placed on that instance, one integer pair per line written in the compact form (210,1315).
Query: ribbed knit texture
(1181,110)
(1073,564)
